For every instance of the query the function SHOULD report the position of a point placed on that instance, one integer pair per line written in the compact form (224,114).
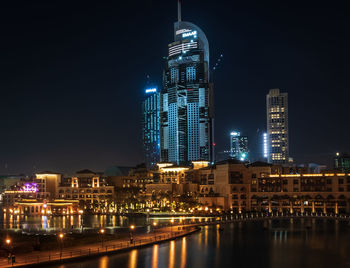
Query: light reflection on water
(133,259)
(71,222)
(103,263)
(183,253)
(172,254)
(155,256)
(286,244)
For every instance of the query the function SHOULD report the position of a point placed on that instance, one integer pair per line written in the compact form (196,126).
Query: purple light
(30,187)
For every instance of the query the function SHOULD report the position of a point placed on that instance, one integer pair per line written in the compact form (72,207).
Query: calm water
(286,244)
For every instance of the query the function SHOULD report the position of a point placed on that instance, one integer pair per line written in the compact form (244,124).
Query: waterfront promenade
(45,258)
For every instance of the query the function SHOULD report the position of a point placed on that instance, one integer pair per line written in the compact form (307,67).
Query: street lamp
(81,212)
(154,230)
(132,227)
(61,236)
(8,244)
(171,226)
(102,231)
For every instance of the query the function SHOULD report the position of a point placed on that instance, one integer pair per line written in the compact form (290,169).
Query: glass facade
(239,146)
(186,112)
(150,127)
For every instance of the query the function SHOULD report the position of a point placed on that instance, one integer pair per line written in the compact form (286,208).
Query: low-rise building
(126,177)
(89,188)
(265,187)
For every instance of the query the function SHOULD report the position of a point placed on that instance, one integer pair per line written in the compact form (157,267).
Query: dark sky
(73,73)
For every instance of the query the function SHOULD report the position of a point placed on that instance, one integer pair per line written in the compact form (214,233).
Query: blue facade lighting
(151,124)
(151,90)
(186,116)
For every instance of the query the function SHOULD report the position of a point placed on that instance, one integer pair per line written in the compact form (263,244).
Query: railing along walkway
(258,216)
(95,249)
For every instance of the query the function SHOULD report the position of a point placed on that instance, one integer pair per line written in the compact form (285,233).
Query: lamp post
(154,230)
(81,212)
(132,227)
(171,226)
(8,244)
(61,236)
(102,231)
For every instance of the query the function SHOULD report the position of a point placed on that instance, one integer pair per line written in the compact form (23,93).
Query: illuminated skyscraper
(239,146)
(186,99)
(150,126)
(277,127)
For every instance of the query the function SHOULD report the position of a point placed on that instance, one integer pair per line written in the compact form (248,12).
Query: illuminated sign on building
(193,33)
(29,188)
(182,31)
(234,133)
(151,90)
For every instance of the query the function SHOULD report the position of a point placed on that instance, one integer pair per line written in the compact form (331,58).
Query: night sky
(73,74)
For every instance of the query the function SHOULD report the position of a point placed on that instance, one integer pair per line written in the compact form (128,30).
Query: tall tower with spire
(187,111)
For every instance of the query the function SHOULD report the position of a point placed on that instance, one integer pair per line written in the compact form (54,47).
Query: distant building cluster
(178,119)
(229,185)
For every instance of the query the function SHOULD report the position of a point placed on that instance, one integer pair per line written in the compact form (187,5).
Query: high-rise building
(150,126)
(187,97)
(277,127)
(239,146)
(342,162)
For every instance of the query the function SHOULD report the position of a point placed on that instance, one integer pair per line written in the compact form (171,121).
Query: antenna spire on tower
(179,10)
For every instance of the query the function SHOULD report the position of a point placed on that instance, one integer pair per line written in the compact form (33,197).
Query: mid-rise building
(37,196)
(187,98)
(239,146)
(150,126)
(277,127)
(89,188)
(127,178)
(260,186)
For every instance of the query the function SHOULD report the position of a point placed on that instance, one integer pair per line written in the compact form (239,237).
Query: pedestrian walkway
(100,248)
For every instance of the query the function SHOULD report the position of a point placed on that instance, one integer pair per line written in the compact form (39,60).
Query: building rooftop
(118,171)
(260,164)
(229,161)
(85,171)
(47,172)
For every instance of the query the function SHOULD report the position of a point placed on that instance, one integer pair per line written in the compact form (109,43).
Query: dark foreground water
(287,243)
